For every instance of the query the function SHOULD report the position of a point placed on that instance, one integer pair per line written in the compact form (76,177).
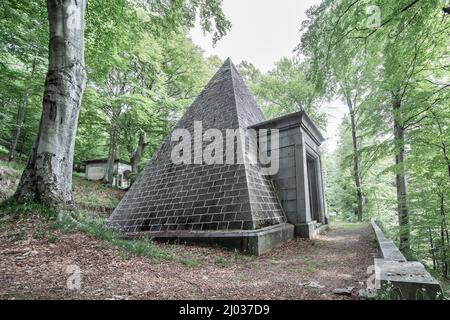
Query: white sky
(262,32)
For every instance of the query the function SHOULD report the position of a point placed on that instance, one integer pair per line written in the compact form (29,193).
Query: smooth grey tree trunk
(5,105)
(20,118)
(116,85)
(112,157)
(18,127)
(444,235)
(356,161)
(137,156)
(48,175)
(432,249)
(400,178)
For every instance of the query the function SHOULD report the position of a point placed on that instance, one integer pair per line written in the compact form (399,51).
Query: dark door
(313,189)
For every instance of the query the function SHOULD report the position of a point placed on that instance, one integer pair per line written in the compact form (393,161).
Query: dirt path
(34,268)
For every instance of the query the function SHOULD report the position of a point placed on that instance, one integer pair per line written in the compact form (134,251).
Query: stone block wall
(401,279)
(298,140)
(208,197)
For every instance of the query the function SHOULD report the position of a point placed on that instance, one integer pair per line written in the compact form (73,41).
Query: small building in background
(96,169)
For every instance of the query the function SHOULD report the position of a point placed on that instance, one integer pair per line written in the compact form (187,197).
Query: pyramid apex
(228,63)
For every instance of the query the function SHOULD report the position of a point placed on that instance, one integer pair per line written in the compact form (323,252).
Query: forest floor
(39,260)
(40,267)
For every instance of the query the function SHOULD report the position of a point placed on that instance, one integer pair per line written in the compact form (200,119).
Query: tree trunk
(137,156)
(112,157)
(356,162)
(20,118)
(48,175)
(18,128)
(400,178)
(444,238)
(444,145)
(432,250)
(21,148)
(4,106)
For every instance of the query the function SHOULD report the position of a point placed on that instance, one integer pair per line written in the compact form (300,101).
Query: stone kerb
(399,278)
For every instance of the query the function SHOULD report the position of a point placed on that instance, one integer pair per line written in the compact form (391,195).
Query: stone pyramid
(204,200)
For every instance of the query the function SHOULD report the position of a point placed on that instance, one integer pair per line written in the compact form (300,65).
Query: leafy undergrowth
(95,196)
(93,202)
(31,220)
(38,244)
(9,178)
(88,195)
(349,225)
(37,250)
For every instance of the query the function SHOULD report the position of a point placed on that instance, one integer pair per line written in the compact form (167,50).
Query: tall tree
(398,42)
(285,89)
(22,59)
(48,175)
(338,73)
(21,116)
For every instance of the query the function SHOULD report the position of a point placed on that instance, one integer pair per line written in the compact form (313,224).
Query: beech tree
(403,47)
(47,177)
(48,174)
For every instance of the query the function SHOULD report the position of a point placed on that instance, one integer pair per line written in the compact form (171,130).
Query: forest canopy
(387,61)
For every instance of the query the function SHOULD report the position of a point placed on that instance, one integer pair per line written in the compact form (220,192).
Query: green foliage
(16,167)
(309,268)
(394,71)
(11,207)
(190,262)
(23,43)
(142,77)
(139,248)
(285,89)
(143,71)
(222,262)
(144,44)
(95,196)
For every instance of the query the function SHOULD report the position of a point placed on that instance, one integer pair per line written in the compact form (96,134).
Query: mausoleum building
(234,203)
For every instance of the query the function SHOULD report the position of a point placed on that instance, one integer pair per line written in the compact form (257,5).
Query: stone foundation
(256,242)
(310,230)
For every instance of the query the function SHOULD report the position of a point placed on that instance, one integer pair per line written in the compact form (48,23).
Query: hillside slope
(43,256)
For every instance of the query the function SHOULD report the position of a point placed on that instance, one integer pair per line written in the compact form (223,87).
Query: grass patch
(94,195)
(190,261)
(133,247)
(87,194)
(349,225)
(10,173)
(17,166)
(310,267)
(45,234)
(13,208)
(18,235)
(222,262)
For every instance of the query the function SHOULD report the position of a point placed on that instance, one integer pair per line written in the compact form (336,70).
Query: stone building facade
(95,170)
(230,204)
(299,181)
